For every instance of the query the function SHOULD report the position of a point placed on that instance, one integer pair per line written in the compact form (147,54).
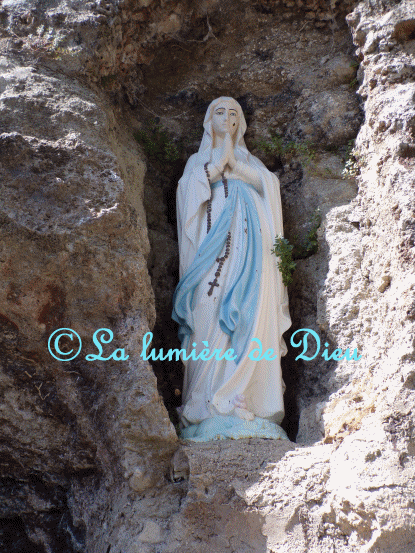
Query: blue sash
(241,286)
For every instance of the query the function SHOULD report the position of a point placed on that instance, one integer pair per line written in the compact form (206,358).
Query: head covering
(205,150)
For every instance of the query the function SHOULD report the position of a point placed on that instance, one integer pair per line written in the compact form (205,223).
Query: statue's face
(225,119)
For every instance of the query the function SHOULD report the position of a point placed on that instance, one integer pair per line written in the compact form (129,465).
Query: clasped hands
(225,156)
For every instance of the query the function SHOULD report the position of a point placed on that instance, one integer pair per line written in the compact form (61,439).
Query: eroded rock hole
(297,89)
(163,264)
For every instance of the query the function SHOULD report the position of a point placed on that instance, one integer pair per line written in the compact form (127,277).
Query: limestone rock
(141,480)
(152,533)
(328,116)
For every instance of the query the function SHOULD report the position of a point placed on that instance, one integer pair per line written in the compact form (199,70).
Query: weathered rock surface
(88,242)
(73,254)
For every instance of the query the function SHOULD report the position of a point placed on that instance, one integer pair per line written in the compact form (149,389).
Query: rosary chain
(219,260)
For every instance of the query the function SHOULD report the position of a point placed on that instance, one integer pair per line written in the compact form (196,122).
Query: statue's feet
(244,414)
(241,409)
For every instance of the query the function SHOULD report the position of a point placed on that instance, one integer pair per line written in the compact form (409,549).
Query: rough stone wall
(87,448)
(73,254)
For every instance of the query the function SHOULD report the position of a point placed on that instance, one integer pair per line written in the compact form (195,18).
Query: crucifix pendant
(212,285)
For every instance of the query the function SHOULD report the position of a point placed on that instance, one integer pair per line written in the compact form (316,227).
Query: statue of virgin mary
(230,295)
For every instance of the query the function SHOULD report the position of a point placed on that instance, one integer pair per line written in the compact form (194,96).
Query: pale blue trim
(223,427)
(241,294)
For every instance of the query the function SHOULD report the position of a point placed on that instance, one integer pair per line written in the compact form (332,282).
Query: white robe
(210,387)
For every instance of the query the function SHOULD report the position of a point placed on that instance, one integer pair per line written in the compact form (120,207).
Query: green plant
(309,244)
(283,249)
(306,152)
(288,149)
(288,253)
(275,146)
(158,144)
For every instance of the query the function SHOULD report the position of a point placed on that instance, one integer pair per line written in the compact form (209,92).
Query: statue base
(231,427)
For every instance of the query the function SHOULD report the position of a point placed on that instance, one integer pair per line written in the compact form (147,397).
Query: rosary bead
(219,260)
